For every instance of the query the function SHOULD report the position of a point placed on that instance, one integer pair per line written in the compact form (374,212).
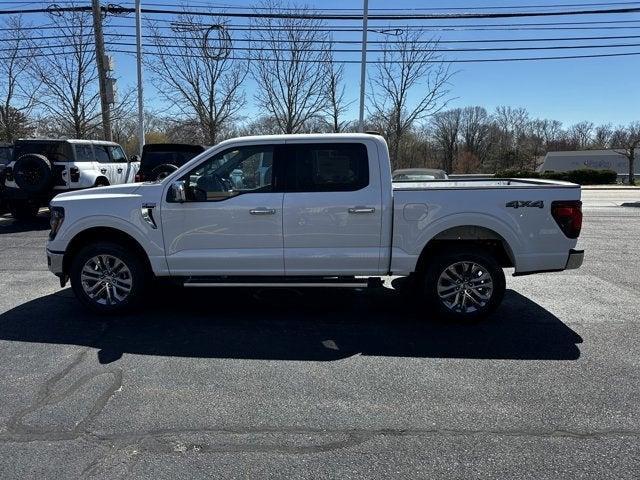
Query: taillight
(74,174)
(568,216)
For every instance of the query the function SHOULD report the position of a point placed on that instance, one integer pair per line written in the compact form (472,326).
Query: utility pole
(363,64)
(102,69)
(139,60)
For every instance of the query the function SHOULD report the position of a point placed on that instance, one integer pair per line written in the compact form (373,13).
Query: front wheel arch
(99,234)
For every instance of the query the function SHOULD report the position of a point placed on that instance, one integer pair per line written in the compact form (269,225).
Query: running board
(331,282)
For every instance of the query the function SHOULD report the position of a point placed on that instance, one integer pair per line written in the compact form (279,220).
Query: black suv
(6,154)
(161,159)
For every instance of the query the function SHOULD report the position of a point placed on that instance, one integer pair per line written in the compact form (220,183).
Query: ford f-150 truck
(312,210)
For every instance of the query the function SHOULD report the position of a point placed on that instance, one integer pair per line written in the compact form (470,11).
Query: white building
(596,159)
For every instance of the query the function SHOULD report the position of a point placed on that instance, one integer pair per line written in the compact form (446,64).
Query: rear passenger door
(120,164)
(104,163)
(332,209)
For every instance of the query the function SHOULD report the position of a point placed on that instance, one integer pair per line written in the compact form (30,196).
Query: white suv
(42,168)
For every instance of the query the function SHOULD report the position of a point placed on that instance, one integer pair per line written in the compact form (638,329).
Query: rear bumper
(576,257)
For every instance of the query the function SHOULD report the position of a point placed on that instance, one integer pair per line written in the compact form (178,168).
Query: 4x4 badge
(525,203)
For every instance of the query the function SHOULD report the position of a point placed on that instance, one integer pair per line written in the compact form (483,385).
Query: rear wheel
(23,209)
(107,278)
(465,283)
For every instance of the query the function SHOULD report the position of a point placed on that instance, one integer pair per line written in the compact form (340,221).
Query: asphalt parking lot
(317,384)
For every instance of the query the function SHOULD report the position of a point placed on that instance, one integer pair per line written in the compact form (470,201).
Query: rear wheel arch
(102,234)
(474,236)
(101,182)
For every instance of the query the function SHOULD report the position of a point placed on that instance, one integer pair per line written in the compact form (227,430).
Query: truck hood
(97,193)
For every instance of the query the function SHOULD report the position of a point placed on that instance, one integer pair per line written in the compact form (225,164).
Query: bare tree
(289,67)
(408,67)
(446,128)
(337,104)
(474,130)
(626,141)
(18,88)
(193,72)
(581,134)
(602,136)
(70,96)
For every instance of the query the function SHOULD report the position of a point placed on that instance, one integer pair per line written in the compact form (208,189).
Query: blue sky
(600,90)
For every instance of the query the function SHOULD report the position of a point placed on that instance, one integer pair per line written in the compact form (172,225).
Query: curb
(627,189)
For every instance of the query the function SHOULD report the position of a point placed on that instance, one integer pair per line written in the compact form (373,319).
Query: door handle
(103,170)
(262,211)
(120,170)
(362,210)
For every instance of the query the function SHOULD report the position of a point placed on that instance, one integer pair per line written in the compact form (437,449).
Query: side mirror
(178,192)
(134,158)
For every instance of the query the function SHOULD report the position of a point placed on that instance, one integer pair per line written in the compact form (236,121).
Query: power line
(483,60)
(357,62)
(410,9)
(316,16)
(390,41)
(439,50)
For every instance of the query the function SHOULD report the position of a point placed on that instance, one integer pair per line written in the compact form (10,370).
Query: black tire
(32,173)
(458,258)
(23,209)
(161,171)
(138,275)
(101,182)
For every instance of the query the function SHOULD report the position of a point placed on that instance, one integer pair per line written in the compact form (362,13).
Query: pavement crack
(51,394)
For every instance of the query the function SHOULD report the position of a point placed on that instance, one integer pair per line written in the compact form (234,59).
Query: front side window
(84,153)
(230,173)
(102,154)
(328,168)
(118,155)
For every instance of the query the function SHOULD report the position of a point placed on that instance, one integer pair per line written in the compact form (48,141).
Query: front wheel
(464,283)
(107,278)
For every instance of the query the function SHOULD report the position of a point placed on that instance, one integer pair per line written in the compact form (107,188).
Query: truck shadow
(286,324)
(9,225)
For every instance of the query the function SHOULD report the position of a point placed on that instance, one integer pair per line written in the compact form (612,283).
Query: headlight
(57,217)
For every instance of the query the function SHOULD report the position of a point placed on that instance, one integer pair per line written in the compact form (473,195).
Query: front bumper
(54,262)
(576,257)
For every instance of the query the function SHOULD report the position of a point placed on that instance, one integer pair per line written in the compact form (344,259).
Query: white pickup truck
(312,210)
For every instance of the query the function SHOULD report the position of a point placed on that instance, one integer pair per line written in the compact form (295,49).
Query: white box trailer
(596,159)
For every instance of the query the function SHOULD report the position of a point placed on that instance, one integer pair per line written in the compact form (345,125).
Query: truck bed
(483,183)
(516,212)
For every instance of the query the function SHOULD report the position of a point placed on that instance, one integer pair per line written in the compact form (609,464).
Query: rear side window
(84,153)
(102,154)
(342,167)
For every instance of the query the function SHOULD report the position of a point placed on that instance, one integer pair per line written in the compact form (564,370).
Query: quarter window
(328,168)
(230,173)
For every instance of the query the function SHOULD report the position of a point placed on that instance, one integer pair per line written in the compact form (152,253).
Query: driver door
(231,223)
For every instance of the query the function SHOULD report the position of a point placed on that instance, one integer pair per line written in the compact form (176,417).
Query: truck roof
(310,137)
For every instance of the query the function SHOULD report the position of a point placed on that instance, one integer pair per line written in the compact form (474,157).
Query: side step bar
(331,282)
